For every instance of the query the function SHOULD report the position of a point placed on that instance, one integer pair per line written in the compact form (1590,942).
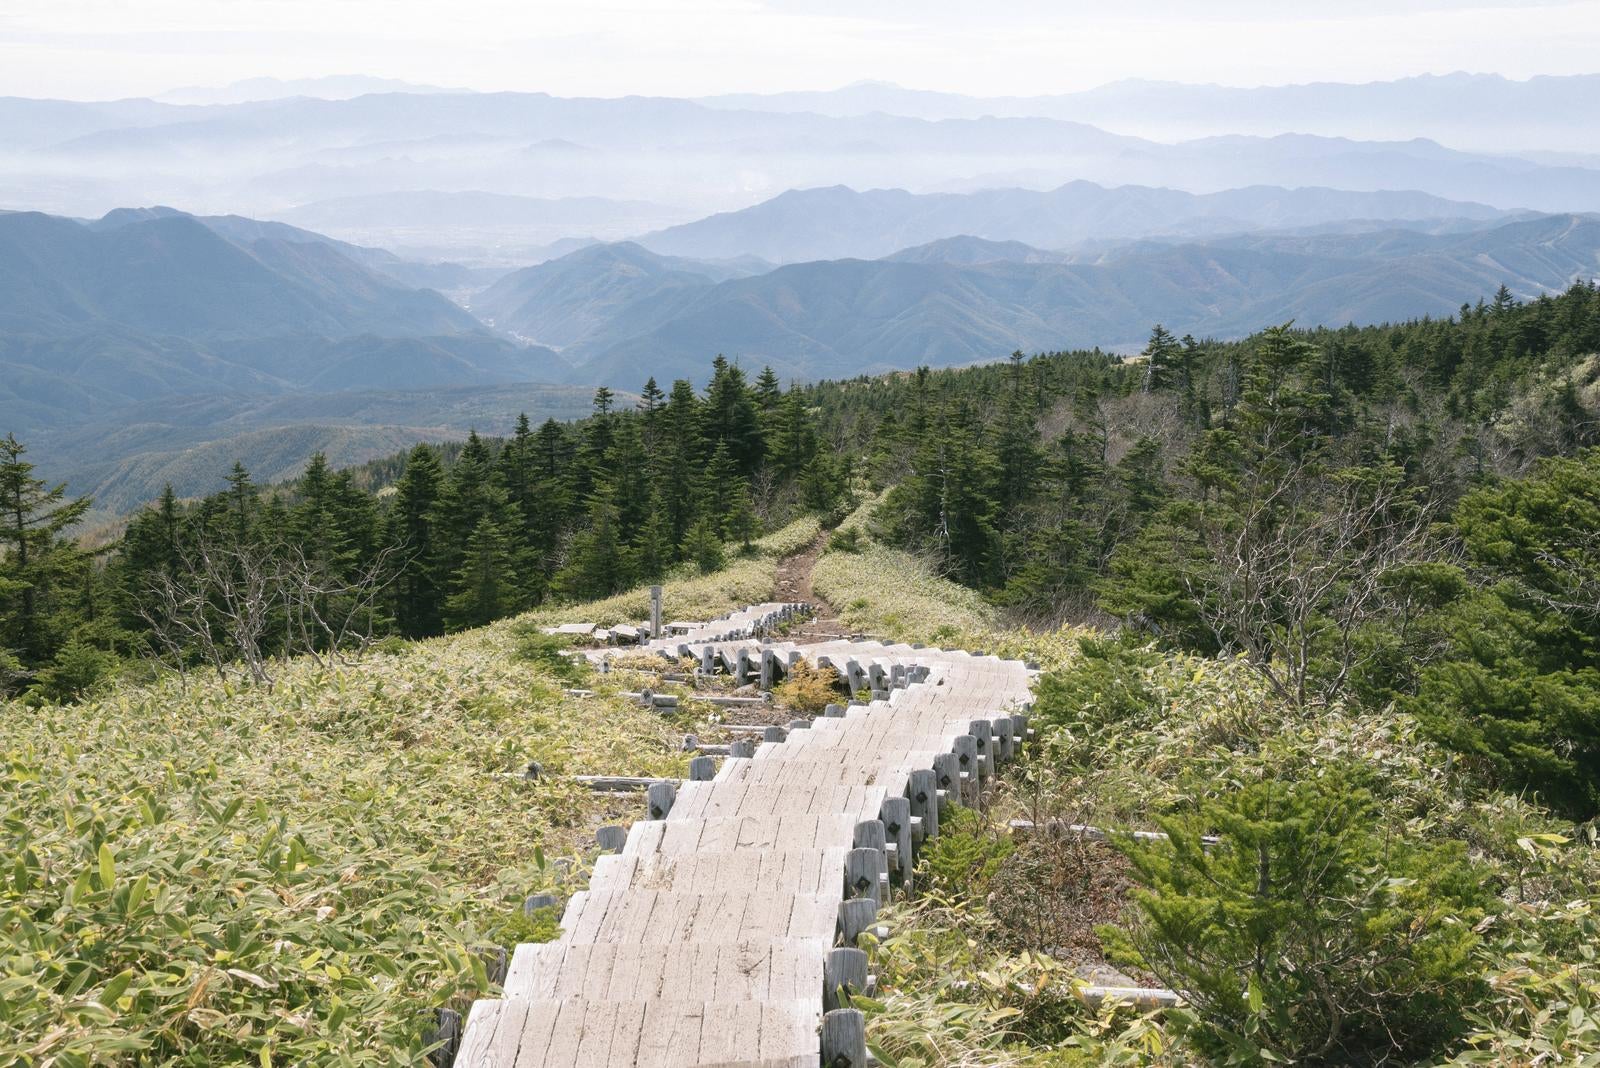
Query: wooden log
(616,783)
(896,820)
(862,870)
(983,734)
(966,751)
(445,1038)
(844,1039)
(1004,744)
(855,916)
(923,796)
(702,769)
(611,838)
(539,901)
(844,974)
(870,834)
(947,779)
(659,799)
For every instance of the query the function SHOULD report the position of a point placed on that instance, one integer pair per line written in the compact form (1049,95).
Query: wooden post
(774,734)
(966,751)
(659,797)
(923,788)
(845,968)
(862,869)
(896,818)
(799,724)
(983,734)
(655,611)
(947,780)
(855,915)
(844,1039)
(611,839)
(702,769)
(1004,745)
(1019,724)
(744,747)
(446,1031)
(833,711)
(539,901)
(869,834)
(708,660)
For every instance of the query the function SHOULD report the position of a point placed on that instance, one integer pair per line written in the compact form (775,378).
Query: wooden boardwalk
(718,934)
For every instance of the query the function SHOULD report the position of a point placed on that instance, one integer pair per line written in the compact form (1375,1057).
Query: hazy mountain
(172,275)
(149,303)
(332,87)
(960,300)
(839,222)
(273,156)
(567,301)
(125,457)
(1484,112)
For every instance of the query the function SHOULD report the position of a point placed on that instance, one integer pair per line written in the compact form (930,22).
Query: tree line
(462,536)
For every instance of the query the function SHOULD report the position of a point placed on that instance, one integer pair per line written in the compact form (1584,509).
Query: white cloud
(98,48)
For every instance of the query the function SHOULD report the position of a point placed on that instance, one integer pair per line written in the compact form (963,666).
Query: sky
(103,49)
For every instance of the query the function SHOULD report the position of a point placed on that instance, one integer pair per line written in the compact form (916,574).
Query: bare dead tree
(1305,561)
(239,607)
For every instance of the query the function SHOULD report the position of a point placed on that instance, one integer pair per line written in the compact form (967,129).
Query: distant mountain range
(619,311)
(141,346)
(836,223)
(144,304)
(1482,112)
(411,165)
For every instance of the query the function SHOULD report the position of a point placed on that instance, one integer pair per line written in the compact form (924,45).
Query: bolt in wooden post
(896,819)
(844,968)
(611,839)
(855,915)
(844,1039)
(923,788)
(702,769)
(659,796)
(862,869)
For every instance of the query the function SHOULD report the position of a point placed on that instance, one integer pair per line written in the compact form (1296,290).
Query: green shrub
(808,689)
(77,668)
(1107,685)
(549,652)
(1307,933)
(845,540)
(959,865)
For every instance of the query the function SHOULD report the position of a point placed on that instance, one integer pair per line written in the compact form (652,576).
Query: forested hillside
(1318,606)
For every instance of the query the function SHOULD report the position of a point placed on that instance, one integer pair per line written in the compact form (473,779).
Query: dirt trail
(794,584)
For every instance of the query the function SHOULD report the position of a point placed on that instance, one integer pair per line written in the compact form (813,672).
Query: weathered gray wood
(844,974)
(774,734)
(744,747)
(855,916)
(834,711)
(611,838)
(947,772)
(983,735)
(539,901)
(844,1039)
(1004,744)
(799,724)
(923,798)
(896,820)
(966,751)
(659,799)
(702,769)
(863,868)
(445,1037)
(616,783)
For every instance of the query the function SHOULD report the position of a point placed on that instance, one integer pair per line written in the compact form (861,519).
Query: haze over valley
(221,264)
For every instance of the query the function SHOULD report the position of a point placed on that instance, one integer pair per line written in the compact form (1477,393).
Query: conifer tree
(417,591)
(36,558)
(485,585)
